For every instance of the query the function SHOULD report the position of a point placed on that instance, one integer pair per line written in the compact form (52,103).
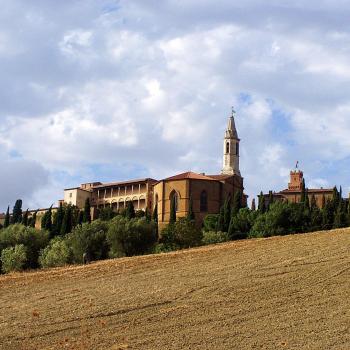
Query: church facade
(206,192)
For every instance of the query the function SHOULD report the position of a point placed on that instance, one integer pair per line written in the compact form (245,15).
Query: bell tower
(231,148)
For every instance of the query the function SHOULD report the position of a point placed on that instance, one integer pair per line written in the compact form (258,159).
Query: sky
(107,90)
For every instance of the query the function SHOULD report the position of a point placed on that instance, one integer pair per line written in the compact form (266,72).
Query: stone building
(207,192)
(114,194)
(293,193)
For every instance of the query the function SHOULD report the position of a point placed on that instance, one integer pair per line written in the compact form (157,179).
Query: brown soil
(289,292)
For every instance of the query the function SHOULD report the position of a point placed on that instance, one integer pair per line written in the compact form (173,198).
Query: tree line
(70,236)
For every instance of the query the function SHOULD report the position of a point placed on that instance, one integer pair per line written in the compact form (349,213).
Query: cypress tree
(155,213)
(328,215)
(220,224)
(271,199)
(253,205)
(323,203)
(33,219)
(81,217)
(148,215)
(172,219)
(67,221)
(262,207)
(46,221)
(17,212)
(130,210)
(25,218)
(303,192)
(313,204)
(335,198)
(227,214)
(307,201)
(190,213)
(237,204)
(57,222)
(87,211)
(7,217)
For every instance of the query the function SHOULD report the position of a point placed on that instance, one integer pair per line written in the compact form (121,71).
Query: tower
(231,148)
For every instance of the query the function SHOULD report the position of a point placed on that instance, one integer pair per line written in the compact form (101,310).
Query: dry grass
(287,292)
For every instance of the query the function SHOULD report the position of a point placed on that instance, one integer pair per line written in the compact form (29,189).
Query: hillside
(289,292)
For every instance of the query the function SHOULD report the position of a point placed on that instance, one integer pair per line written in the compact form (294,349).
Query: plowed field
(290,292)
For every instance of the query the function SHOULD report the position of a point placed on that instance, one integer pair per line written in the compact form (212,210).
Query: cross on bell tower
(231,148)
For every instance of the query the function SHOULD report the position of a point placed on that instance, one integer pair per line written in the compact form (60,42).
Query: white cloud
(149,85)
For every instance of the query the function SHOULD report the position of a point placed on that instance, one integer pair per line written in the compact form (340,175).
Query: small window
(204,202)
(237,149)
(227,147)
(70,195)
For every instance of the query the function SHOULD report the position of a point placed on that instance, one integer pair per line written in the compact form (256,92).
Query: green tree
(262,206)
(80,217)
(14,258)
(89,239)
(172,219)
(57,221)
(340,217)
(57,253)
(190,213)
(242,223)
(220,222)
(67,222)
(25,218)
(87,211)
(253,204)
(155,213)
(271,199)
(237,204)
(148,215)
(7,217)
(307,201)
(227,213)
(46,220)
(34,240)
(328,215)
(130,237)
(210,222)
(33,219)
(17,212)
(313,204)
(130,210)
(303,192)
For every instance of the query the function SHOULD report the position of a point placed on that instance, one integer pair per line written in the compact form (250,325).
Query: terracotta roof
(190,175)
(108,184)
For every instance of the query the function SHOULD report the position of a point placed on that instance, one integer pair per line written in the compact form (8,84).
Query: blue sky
(111,90)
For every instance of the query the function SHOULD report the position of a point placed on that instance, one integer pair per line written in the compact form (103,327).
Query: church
(206,192)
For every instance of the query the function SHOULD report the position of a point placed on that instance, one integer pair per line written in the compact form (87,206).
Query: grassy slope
(287,292)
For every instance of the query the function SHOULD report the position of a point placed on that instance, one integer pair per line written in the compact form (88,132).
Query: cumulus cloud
(107,90)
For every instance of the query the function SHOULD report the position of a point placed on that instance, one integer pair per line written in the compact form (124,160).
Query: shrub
(212,237)
(130,237)
(182,233)
(210,222)
(281,219)
(14,258)
(242,223)
(89,239)
(165,248)
(57,253)
(34,240)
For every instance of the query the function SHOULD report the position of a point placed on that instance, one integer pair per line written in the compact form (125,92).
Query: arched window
(204,202)
(237,149)
(227,147)
(174,197)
